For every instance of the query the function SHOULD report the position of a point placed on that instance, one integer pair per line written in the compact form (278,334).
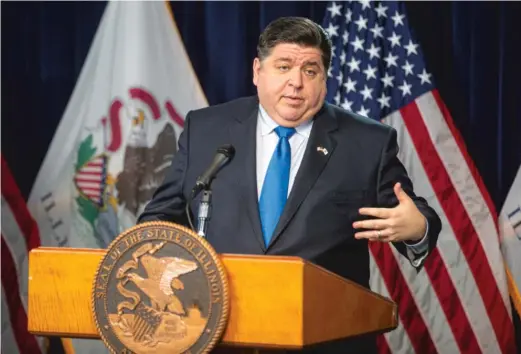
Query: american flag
(19,236)
(459,301)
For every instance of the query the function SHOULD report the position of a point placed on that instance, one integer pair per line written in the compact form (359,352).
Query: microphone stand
(203,216)
(204,210)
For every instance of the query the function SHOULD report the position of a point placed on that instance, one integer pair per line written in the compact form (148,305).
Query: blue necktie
(275,187)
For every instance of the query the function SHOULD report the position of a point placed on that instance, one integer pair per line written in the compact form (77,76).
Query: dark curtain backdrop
(472,48)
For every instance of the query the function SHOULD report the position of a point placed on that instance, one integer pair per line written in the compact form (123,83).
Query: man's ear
(256,69)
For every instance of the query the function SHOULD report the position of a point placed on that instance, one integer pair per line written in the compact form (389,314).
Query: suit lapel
(243,137)
(314,160)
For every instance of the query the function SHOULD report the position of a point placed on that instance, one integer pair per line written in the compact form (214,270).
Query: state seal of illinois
(160,288)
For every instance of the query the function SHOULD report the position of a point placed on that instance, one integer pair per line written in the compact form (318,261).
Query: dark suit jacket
(360,169)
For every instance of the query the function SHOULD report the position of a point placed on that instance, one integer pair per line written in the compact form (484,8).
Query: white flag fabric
(510,229)
(119,131)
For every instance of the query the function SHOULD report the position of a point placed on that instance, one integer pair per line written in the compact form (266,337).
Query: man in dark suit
(308,179)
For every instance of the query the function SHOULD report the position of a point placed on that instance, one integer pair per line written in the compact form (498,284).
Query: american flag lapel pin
(322,149)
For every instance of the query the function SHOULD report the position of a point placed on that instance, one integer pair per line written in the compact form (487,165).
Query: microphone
(224,154)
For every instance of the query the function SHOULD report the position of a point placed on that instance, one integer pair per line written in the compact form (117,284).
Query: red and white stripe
(459,302)
(19,236)
(90,179)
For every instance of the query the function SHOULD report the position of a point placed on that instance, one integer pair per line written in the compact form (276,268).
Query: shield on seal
(160,288)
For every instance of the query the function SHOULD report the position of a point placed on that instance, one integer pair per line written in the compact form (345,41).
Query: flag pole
(513,290)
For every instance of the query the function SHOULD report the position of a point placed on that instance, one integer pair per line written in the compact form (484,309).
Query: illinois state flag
(119,131)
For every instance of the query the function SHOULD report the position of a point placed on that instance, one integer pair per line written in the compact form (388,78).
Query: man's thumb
(399,192)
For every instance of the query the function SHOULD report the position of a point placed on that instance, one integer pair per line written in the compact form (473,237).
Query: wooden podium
(275,302)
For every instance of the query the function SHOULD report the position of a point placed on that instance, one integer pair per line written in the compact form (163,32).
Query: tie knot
(284,132)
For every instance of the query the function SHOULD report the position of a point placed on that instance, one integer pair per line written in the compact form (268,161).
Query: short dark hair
(297,30)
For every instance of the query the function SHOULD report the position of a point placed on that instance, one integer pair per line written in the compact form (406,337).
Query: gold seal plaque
(160,288)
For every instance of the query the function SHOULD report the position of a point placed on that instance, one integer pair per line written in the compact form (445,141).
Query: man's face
(291,83)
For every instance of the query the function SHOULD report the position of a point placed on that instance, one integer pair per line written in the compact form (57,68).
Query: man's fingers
(378,224)
(382,213)
(374,235)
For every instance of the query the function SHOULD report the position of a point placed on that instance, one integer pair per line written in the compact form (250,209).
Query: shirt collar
(267,124)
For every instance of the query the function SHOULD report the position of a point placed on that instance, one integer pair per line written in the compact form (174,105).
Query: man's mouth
(294,99)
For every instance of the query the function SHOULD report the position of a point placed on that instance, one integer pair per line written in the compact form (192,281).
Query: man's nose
(295,79)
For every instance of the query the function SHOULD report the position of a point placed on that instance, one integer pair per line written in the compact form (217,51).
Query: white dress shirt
(267,140)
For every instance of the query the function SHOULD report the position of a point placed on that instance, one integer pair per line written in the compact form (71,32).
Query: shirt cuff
(421,246)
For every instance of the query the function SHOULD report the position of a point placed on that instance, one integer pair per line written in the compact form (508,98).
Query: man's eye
(311,72)
(283,68)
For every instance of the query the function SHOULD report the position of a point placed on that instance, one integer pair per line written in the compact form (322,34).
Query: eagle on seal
(163,276)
